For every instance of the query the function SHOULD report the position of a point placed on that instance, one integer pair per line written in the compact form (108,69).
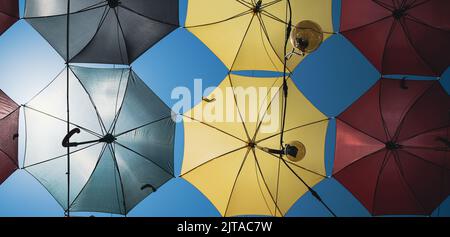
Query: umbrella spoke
(242,42)
(93,7)
(116,166)
(238,108)
(267,187)
(142,126)
(119,25)
(62,120)
(263,29)
(383,121)
(417,20)
(367,24)
(384,5)
(235,181)
(249,5)
(291,129)
(224,20)
(146,158)
(213,159)
(147,17)
(425,92)
(220,130)
(402,175)
(425,160)
(383,165)
(61,156)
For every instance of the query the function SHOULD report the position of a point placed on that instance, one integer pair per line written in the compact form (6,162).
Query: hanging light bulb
(295,151)
(307,36)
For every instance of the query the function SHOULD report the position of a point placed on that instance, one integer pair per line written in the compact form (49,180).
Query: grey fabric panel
(53,29)
(106,88)
(103,192)
(140,106)
(155,142)
(44,8)
(161,10)
(141,33)
(138,176)
(107,46)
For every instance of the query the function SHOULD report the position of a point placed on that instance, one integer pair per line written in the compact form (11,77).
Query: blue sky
(332,78)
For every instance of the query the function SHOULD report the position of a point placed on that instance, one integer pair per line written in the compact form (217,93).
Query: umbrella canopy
(111,31)
(9,14)
(227,158)
(250,35)
(9,126)
(400,37)
(392,148)
(124,147)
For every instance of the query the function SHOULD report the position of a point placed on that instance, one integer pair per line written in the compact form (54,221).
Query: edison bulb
(307,36)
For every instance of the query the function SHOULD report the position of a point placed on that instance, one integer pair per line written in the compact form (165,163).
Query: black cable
(68,104)
(283,123)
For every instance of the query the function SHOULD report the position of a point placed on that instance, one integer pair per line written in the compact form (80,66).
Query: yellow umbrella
(250,34)
(228,143)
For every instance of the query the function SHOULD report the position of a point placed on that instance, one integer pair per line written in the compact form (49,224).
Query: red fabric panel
(365,114)
(9,14)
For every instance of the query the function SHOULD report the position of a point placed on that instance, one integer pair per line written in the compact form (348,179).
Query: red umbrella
(400,36)
(392,147)
(9,120)
(9,14)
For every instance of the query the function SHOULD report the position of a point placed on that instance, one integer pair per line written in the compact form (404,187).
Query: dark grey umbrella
(111,31)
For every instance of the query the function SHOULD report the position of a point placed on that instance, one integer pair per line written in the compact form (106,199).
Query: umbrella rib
(419,4)
(310,189)
(145,158)
(9,15)
(145,125)
(102,20)
(368,24)
(426,161)
(386,130)
(397,134)
(16,163)
(425,132)
(91,100)
(408,186)
(93,7)
(221,21)
(296,165)
(291,129)
(119,111)
(408,37)
(123,35)
(237,106)
(264,33)
(213,159)
(242,42)
(220,130)
(268,4)
(116,165)
(10,113)
(383,5)
(244,3)
(361,131)
(260,121)
(116,108)
(412,18)
(266,185)
(388,38)
(48,85)
(147,17)
(383,165)
(235,181)
(62,120)
(358,160)
(61,156)
(90,176)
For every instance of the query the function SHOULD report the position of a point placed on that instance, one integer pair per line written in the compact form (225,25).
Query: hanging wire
(283,121)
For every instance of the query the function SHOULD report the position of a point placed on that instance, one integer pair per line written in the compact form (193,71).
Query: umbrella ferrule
(399,13)
(258,7)
(108,138)
(392,145)
(113,3)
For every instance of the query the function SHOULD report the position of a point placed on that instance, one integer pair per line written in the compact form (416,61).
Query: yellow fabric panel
(203,143)
(216,179)
(201,12)
(313,137)
(224,39)
(257,52)
(250,194)
(223,106)
(254,109)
